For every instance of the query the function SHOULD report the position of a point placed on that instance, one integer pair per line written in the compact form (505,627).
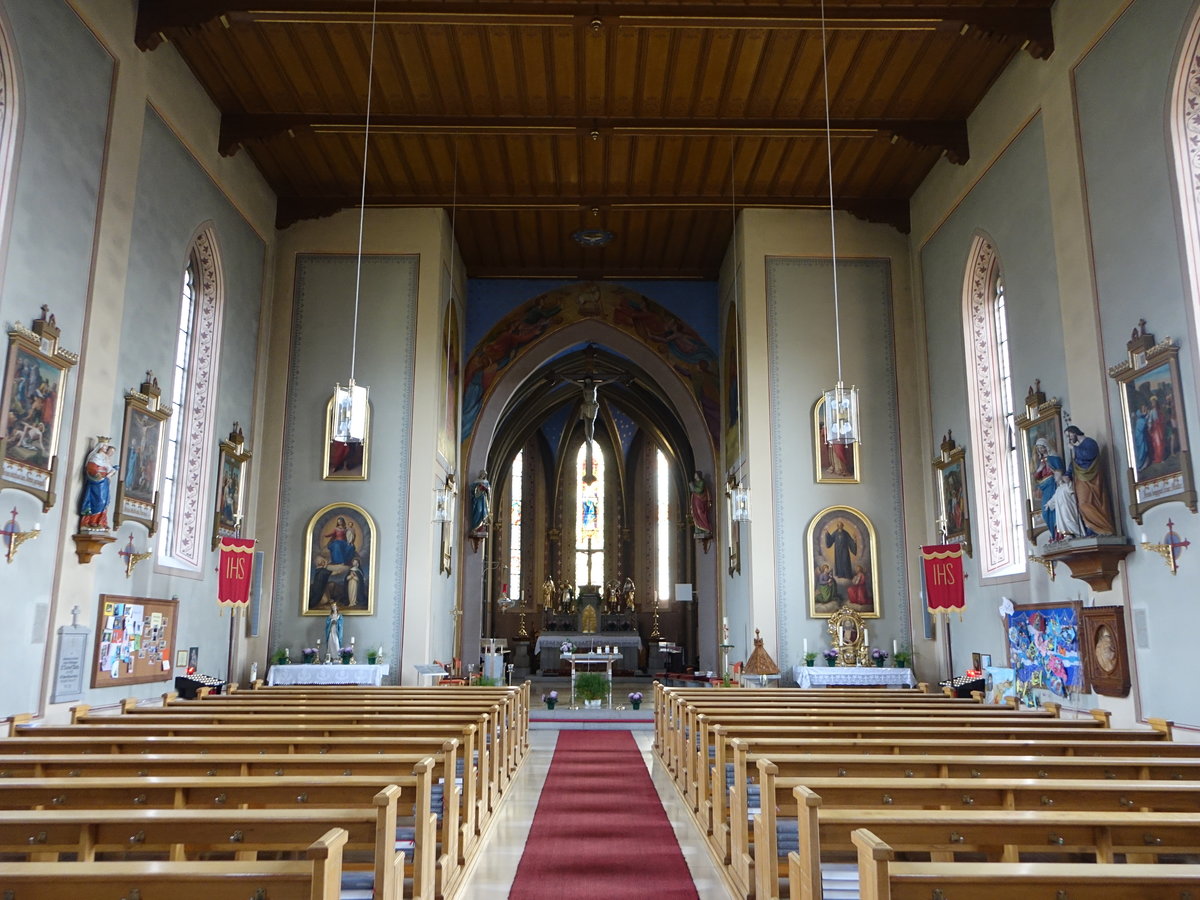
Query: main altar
(588,621)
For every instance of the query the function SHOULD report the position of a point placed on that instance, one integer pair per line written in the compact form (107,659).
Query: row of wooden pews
(903,794)
(359,793)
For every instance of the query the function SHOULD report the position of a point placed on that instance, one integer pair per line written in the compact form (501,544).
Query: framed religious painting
(843,567)
(231,483)
(1160,465)
(339,552)
(141,450)
(345,460)
(1042,446)
(836,463)
(1105,653)
(950,476)
(34,380)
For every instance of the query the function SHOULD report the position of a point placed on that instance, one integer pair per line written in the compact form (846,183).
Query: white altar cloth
(849,676)
(304,673)
(583,641)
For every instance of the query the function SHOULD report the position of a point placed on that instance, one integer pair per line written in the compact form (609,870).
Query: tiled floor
(496,865)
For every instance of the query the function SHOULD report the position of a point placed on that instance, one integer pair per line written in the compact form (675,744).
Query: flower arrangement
(831,656)
(635,699)
(309,654)
(347,655)
(903,658)
(281,657)
(880,656)
(550,698)
(567,647)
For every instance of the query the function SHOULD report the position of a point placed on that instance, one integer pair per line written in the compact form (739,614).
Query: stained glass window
(516,483)
(589,524)
(663,526)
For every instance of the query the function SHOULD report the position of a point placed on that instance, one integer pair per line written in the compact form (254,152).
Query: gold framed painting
(345,460)
(835,463)
(231,484)
(1156,435)
(954,512)
(141,452)
(843,567)
(34,380)
(1042,442)
(339,552)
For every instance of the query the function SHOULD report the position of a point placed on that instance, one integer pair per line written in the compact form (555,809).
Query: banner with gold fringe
(941,564)
(236,569)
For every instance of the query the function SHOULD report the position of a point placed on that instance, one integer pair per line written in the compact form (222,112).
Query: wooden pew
(433,871)
(85,835)
(1001,835)
(883,879)
(316,878)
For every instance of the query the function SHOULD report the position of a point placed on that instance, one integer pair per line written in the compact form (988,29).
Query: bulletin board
(135,639)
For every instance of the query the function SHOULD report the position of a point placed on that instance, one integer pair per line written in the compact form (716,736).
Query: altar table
(588,660)
(628,644)
(305,673)
(852,676)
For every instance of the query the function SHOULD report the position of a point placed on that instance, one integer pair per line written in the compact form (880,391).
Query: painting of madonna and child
(842,563)
(338,555)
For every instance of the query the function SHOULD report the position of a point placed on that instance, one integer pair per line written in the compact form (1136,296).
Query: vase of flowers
(550,699)
(309,655)
(635,699)
(831,656)
(880,656)
(347,656)
(566,647)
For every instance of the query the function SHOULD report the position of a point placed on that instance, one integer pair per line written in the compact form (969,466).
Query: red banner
(237,565)
(943,570)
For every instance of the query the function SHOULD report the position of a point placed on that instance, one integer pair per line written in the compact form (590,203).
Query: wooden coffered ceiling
(534,119)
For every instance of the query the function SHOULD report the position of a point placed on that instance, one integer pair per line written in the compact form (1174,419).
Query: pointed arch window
(186,457)
(994,437)
(1185,140)
(662,524)
(8,120)
(589,515)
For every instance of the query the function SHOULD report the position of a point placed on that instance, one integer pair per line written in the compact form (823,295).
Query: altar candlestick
(895,647)
(806,646)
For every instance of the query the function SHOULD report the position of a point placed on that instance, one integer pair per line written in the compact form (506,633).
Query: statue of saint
(548,593)
(98,471)
(333,632)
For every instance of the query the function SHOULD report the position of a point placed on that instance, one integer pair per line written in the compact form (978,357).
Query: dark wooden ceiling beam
(1030,25)
(885,210)
(945,135)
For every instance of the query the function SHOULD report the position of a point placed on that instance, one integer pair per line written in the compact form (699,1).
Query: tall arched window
(662,523)
(186,458)
(516,488)
(1185,138)
(993,426)
(589,521)
(8,122)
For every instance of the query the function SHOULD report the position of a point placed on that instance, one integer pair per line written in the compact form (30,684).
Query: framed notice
(135,637)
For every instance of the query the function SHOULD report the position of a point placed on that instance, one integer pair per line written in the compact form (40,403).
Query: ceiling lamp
(841,403)
(350,402)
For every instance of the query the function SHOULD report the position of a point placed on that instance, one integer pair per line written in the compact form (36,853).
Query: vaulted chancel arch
(526,392)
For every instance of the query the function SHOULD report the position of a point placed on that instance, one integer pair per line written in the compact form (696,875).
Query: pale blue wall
(55,187)
(321,340)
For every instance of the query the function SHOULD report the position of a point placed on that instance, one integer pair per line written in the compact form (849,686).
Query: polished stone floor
(496,864)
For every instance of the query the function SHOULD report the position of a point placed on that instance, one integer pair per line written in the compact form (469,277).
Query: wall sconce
(740,500)
(15,536)
(132,557)
(443,501)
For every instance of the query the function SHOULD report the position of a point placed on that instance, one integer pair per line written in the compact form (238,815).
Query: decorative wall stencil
(1160,464)
(338,556)
(141,453)
(842,563)
(34,380)
(835,463)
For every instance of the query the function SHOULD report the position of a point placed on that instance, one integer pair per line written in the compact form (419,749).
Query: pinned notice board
(135,640)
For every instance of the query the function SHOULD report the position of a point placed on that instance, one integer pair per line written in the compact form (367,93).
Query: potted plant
(374,656)
(880,656)
(903,658)
(309,655)
(281,657)
(550,699)
(591,687)
(635,699)
(831,656)
(810,658)
(347,656)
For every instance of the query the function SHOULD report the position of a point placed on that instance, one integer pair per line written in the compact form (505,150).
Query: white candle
(806,646)
(895,647)
(866,636)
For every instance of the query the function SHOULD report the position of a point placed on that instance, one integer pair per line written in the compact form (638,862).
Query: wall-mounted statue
(1091,486)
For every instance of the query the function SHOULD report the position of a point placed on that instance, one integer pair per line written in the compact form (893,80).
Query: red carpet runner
(600,831)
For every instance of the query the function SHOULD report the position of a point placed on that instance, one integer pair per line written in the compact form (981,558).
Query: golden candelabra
(655,632)
(16,537)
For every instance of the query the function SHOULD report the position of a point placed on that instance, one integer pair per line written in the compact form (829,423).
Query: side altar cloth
(304,673)
(852,676)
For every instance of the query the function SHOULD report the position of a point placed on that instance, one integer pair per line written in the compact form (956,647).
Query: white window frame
(1184,125)
(184,544)
(997,494)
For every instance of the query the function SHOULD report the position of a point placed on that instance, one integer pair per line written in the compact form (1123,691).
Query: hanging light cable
(350,402)
(739,494)
(841,403)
